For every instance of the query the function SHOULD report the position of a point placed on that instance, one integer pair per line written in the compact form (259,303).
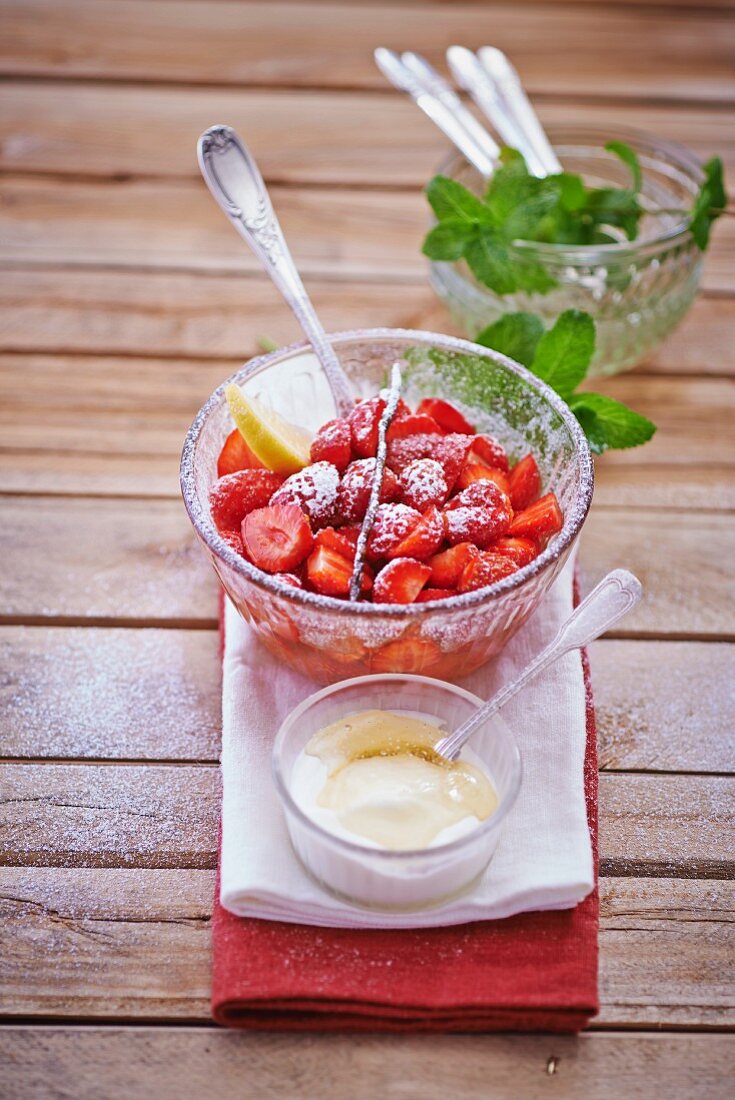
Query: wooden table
(125,299)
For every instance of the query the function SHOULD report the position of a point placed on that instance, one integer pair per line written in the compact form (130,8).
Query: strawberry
(236,455)
(451,453)
(477,471)
(236,494)
(519,550)
(424,539)
(355,486)
(391,525)
(314,489)
(427,594)
(447,417)
(400,581)
(481,513)
(446,568)
(330,565)
(343,541)
(525,483)
(423,483)
(412,424)
(234,540)
(277,538)
(333,443)
(487,450)
(364,420)
(539,521)
(487,568)
(405,655)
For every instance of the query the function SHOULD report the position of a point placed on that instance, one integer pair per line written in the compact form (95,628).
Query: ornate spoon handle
(237,186)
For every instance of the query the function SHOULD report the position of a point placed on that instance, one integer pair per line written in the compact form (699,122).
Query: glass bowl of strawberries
(486,485)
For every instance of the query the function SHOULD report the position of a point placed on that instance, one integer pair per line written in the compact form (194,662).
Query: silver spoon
(237,186)
(508,82)
(613,597)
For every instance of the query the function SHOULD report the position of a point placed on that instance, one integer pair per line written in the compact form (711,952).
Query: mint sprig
(710,202)
(561,357)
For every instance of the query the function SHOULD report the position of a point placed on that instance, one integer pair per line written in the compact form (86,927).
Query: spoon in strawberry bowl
(609,601)
(237,186)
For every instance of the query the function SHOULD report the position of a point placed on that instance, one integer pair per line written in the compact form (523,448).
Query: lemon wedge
(280,446)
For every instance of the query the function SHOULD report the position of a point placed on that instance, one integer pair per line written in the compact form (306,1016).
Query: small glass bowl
(378,878)
(328,639)
(636,291)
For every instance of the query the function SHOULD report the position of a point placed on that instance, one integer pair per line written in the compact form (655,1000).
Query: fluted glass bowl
(636,291)
(329,639)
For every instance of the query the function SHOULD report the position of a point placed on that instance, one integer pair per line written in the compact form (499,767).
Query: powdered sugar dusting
(423,483)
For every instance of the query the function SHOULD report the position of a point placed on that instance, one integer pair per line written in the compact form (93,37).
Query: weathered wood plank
(664,706)
(104,131)
(159,816)
(597,51)
(67,1063)
(102,944)
(110,694)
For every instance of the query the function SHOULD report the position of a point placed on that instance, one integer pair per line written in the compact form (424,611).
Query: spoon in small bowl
(613,597)
(233,178)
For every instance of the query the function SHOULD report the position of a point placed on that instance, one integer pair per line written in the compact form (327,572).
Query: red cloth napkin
(531,972)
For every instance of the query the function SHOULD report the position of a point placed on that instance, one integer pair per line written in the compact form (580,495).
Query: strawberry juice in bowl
(329,638)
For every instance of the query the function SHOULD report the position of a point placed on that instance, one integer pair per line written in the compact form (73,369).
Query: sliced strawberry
(487,568)
(451,452)
(427,594)
(447,417)
(236,455)
(487,449)
(277,538)
(478,471)
(391,525)
(525,483)
(519,550)
(354,489)
(406,655)
(424,482)
(481,513)
(291,579)
(234,495)
(400,581)
(343,541)
(539,521)
(234,540)
(333,443)
(424,539)
(314,489)
(329,568)
(446,568)
(364,420)
(412,424)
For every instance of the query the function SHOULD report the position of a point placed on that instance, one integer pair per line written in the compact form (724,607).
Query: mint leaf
(449,199)
(629,157)
(564,352)
(447,240)
(714,176)
(572,191)
(516,200)
(710,202)
(515,335)
(490,261)
(608,423)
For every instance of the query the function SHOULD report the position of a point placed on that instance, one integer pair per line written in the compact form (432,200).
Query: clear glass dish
(329,639)
(636,291)
(377,877)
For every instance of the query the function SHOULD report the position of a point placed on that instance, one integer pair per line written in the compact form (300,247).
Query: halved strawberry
(525,483)
(539,521)
(424,539)
(447,417)
(519,550)
(391,525)
(487,568)
(236,455)
(446,568)
(355,487)
(277,538)
(234,540)
(478,471)
(364,420)
(400,581)
(333,443)
(449,451)
(427,594)
(406,655)
(481,513)
(487,449)
(328,571)
(344,540)
(423,482)
(412,424)
(314,489)
(236,494)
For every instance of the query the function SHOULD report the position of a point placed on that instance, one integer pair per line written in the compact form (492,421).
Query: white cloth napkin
(543,859)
